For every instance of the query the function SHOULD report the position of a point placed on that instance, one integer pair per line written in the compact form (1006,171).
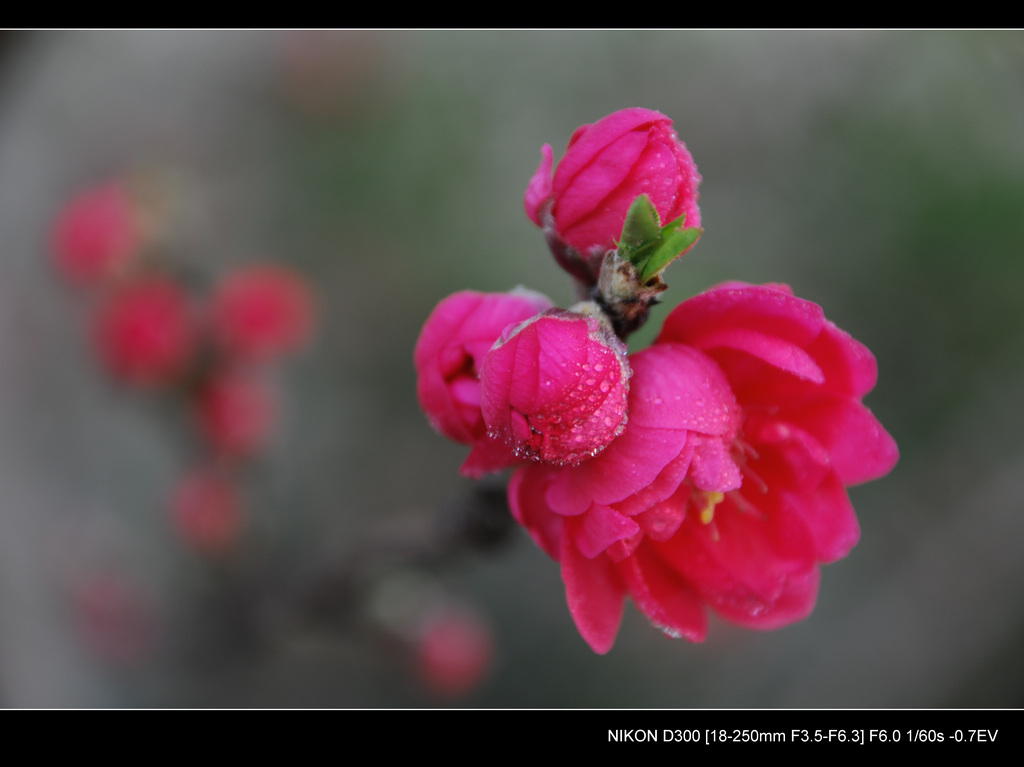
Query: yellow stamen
(706,503)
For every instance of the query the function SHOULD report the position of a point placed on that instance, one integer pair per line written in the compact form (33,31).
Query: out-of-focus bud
(96,234)
(113,618)
(145,332)
(236,412)
(262,311)
(454,652)
(206,510)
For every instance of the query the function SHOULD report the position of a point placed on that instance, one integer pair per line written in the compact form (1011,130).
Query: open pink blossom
(145,332)
(554,387)
(606,166)
(448,356)
(262,311)
(96,233)
(741,522)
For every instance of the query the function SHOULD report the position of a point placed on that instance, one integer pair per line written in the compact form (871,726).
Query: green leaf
(667,250)
(671,226)
(642,225)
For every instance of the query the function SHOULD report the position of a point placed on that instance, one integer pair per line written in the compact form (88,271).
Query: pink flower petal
(538,191)
(667,600)
(742,562)
(589,141)
(712,467)
(860,449)
(584,216)
(595,595)
(850,367)
(526,500)
(631,463)
(767,309)
(773,350)
(598,529)
(794,602)
(829,516)
(676,387)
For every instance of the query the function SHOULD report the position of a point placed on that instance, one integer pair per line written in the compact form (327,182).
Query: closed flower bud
(606,166)
(555,387)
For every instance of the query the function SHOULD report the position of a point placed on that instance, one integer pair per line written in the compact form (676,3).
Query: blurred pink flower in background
(454,652)
(261,312)
(236,412)
(96,234)
(206,510)
(113,618)
(145,332)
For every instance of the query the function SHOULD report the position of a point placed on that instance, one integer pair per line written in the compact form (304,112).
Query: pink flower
(448,356)
(236,413)
(758,397)
(145,332)
(96,233)
(554,387)
(206,510)
(261,312)
(606,166)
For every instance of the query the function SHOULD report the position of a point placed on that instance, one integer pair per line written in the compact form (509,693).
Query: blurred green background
(880,174)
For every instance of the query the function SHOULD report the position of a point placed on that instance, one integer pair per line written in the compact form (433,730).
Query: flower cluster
(152,332)
(706,471)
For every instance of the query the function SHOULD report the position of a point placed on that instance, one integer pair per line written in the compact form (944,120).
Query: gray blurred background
(879,174)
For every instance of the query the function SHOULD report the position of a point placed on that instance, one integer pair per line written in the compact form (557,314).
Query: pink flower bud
(606,166)
(145,333)
(451,348)
(555,387)
(262,311)
(96,233)
(207,511)
(236,413)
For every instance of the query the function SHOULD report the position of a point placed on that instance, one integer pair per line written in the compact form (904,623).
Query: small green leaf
(668,249)
(671,226)
(642,224)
